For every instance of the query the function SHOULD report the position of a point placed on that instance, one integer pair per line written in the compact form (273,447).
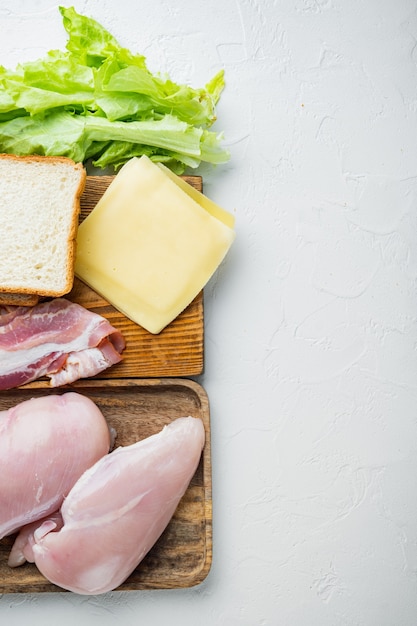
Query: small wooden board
(137,409)
(178,350)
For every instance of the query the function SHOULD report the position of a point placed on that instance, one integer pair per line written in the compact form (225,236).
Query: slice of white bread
(18,299)
(39,210)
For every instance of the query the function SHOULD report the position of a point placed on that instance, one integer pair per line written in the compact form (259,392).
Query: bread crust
(18,299)
(72,232)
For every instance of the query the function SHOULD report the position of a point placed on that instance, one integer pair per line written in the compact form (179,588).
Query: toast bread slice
(39,212)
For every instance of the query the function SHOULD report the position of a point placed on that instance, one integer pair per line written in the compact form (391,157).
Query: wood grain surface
(178,350)
(136,409)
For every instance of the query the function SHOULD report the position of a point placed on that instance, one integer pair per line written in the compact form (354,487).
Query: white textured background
(311,323)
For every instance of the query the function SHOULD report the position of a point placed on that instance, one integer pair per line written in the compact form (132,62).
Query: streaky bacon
(59,339)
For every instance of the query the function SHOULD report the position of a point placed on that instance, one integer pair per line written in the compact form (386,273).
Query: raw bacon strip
(59,339)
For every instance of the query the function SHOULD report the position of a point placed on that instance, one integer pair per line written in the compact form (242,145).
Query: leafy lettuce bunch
(98,101)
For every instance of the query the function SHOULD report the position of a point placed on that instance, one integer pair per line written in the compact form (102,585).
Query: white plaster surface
(311,322)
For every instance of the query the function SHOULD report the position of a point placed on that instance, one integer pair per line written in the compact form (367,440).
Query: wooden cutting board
(137,409)
(178,350)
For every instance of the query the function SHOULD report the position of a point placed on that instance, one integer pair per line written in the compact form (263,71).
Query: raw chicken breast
(118,509)
(46,443)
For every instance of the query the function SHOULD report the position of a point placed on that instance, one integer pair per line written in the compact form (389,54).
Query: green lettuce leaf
(88,41)
(97,100)
(57,134)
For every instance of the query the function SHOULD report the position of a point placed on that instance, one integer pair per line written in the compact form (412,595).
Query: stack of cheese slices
(151,243)
(39,211)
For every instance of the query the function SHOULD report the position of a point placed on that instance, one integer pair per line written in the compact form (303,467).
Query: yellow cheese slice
(151,243)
